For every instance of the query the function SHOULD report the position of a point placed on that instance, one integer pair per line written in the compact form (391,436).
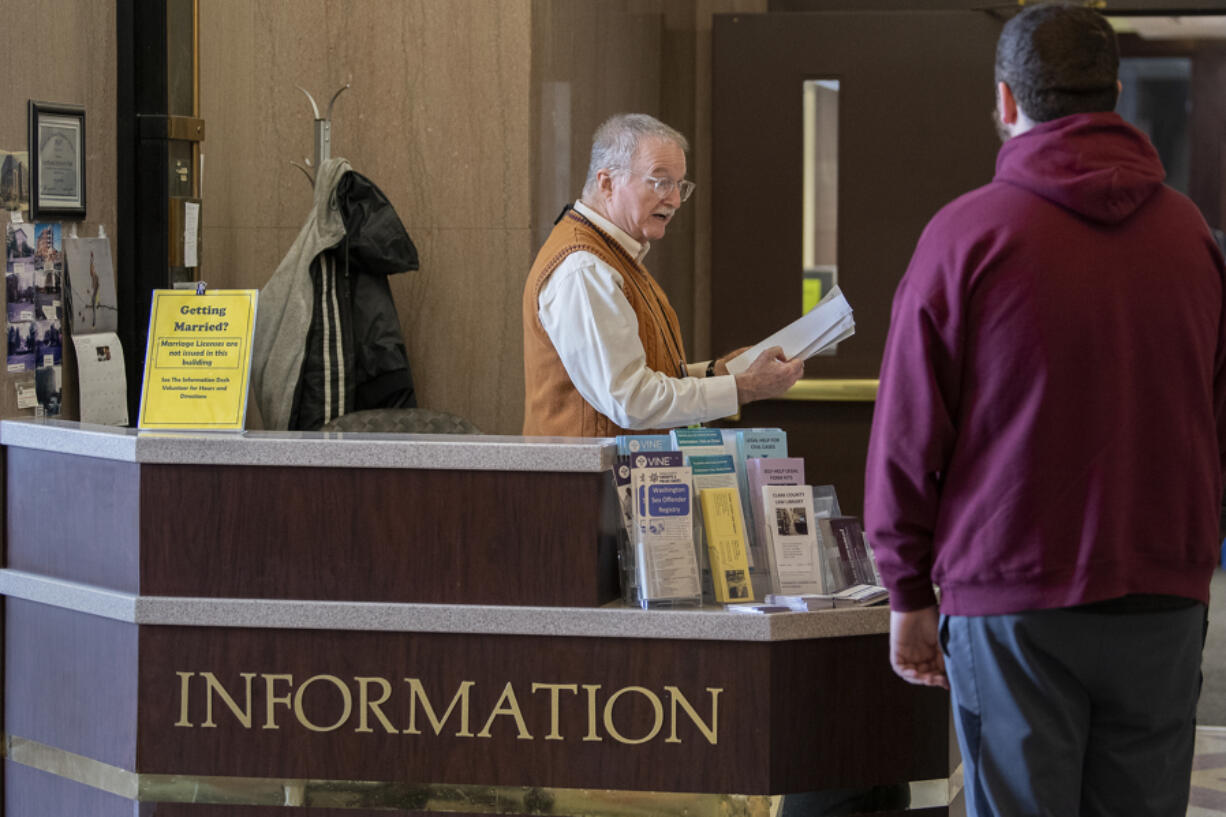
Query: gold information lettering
(587,712)
(554,689)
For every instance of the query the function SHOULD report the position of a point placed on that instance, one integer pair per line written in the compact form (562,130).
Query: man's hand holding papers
(824,325)
(769,374)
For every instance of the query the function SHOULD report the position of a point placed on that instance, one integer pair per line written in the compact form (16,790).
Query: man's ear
(604,182)
(1006,104)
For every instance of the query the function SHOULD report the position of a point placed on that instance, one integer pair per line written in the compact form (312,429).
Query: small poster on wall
(22,342)
(92,306)
(104,385)
(48,343)
(48,390)
(14,180)
(19,287)
(91,316)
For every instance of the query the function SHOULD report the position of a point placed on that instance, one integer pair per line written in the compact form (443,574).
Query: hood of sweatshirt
(1095,164)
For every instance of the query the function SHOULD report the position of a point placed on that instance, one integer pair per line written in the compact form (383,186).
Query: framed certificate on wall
(57,160)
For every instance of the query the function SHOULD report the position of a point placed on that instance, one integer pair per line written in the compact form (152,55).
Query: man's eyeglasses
(664,187)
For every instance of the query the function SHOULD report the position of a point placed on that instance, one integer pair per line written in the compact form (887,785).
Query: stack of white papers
(861,595)
(802,602)
(822,326)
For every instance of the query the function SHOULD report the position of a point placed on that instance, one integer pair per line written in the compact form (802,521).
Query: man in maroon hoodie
(1047,447)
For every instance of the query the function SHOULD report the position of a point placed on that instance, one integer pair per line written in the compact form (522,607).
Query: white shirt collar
(637,251)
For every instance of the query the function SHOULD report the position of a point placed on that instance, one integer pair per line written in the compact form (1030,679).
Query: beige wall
(437,116)
(475,118)
(71,60)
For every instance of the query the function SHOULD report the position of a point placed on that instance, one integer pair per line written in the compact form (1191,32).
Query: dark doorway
(914,130)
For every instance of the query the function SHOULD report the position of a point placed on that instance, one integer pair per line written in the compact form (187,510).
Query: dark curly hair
(1059,59)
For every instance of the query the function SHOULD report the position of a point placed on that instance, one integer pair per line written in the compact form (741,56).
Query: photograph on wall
(22,341)
(48,390)
(90,287)
(14,180)
(19,289)
(18,242)
(48,297)
(49,247)
(27,395)
(48,343)
(48,272)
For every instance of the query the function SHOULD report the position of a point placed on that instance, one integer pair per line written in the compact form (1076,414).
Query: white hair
(617,139)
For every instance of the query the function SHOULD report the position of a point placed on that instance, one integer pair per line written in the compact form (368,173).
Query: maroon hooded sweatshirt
(1049,428)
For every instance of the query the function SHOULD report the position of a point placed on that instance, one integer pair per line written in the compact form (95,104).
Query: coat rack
(323,133)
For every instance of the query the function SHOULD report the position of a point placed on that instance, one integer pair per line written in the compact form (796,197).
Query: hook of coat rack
(323,132)
(305,172)
(332,102)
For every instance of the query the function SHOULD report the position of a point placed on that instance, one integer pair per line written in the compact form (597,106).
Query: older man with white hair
(603,353)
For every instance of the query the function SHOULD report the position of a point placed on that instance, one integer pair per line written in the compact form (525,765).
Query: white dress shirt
(596,334)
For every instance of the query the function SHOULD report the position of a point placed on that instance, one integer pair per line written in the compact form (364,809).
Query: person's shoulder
(580,264)
(972,217)
(992,201)
(956,233)
(579,257)
(564,247)
(1175,202)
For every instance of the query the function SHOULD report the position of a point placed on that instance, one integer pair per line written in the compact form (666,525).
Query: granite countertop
(313,448)
(610,621)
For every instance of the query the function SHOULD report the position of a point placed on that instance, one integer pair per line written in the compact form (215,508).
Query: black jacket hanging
(351,355)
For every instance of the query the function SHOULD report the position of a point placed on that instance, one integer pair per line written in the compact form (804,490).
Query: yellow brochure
(198,359)
(725,529)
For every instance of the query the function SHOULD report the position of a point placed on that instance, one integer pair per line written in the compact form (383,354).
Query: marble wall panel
(251,252)
(253,57)
(436,115)
(445,120)
(463,329)
(62,51)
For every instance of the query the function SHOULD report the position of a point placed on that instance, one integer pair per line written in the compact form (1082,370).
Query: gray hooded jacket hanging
(327,336)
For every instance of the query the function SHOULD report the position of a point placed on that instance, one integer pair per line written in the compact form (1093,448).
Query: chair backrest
(404,421)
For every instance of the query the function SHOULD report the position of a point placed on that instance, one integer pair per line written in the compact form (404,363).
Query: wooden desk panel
(472,537)
(73,517)
(787,716)
(354,534)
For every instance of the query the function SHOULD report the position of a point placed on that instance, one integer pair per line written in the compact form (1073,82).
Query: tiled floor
(1208,797)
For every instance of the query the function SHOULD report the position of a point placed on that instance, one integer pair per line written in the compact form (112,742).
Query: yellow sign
(198,359)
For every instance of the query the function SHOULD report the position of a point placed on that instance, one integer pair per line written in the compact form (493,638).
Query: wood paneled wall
(437,116)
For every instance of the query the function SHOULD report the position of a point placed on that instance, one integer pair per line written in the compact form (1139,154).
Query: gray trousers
(1067,713)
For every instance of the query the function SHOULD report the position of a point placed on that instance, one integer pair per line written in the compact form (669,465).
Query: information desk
(338,624)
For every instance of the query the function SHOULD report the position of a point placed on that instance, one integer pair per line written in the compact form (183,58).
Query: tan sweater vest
(552,405)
